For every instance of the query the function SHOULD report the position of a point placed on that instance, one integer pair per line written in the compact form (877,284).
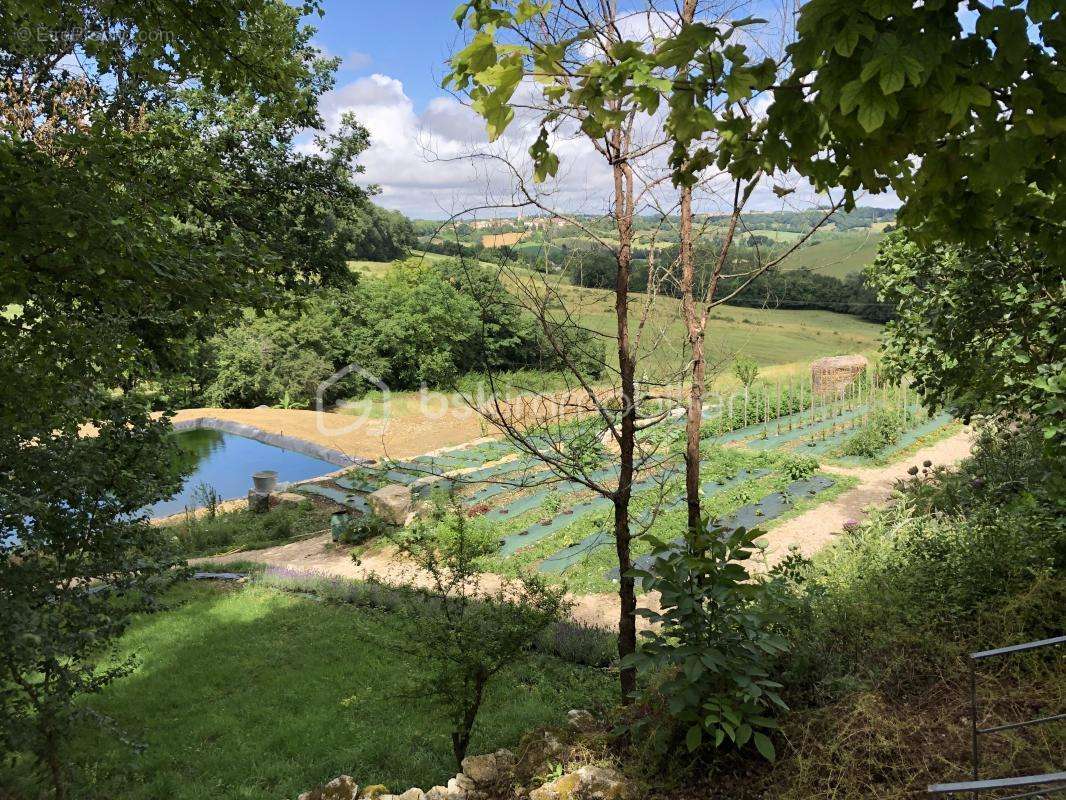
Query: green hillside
(837,254)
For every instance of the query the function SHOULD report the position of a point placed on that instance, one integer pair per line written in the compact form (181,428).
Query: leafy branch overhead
(700,78)
(961,114)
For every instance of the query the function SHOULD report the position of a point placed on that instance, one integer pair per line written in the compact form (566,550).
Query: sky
(393,59)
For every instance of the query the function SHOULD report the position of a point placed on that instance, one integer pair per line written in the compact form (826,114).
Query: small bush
(798,467)
(712,650)
(883,429)
(899,597)
(361,528)
(579,644)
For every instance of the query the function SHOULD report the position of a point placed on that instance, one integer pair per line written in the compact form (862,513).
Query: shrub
(798,467)
(898,598)
(579,643)
(713,648)
(746,370)
(205,534)
(468,634)
(362,528)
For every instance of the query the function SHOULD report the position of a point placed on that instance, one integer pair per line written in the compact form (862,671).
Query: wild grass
(253,693)
(205,535)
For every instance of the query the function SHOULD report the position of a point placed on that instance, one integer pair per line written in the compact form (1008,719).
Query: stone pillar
(259,502)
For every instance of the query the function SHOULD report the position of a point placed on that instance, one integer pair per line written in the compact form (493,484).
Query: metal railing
(1032,785)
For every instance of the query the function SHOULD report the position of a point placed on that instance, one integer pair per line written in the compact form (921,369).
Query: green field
(837,254)
(252,693)
(769,336)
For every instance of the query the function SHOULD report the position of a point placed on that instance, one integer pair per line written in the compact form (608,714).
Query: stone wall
(503,775)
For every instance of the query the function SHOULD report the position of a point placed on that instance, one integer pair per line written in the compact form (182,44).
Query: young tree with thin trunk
(569,51)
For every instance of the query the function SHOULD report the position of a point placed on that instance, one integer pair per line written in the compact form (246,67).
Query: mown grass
(254,693)
(769,336)
(838,254)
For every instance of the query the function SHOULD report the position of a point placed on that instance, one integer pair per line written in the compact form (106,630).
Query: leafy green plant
(204,535)
(712,648)
(883,429)
(207,497)
(797,467)
(466,633)
(747,370)
(362,528)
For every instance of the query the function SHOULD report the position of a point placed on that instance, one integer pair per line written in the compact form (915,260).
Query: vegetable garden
(761,454)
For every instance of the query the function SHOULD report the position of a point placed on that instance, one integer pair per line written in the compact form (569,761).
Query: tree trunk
(461,738)
(627,620)
(695,331)
(694,416)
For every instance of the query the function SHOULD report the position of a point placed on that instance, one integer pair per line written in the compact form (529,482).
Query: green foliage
(467,633)
(973,556)
(419,325)
(955,107)
(982,330)
(751,409)
(746,371)
(361,528)
(798,467)
(77,560)
(309,688)
(712,647)
(142,204)
(884,428)
(205,534)
(685,74)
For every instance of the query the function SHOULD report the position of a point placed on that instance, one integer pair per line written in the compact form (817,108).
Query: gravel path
(809,532)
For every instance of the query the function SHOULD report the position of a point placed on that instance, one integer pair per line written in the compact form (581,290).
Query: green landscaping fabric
(799,434)
(576,553)
(754,514)
(338,496)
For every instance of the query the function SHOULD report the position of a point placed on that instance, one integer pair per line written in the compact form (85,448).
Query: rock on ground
(342,788)
(392,503)
(588,783)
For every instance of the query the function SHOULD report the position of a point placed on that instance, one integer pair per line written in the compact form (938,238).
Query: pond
(225,462)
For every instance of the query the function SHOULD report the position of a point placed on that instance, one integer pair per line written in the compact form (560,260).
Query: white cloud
(421,158)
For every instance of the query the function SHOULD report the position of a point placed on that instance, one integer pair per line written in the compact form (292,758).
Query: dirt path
(809,532)
(813,530)
(407,432)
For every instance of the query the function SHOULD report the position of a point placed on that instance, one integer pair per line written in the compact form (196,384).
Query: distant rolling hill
(837,254)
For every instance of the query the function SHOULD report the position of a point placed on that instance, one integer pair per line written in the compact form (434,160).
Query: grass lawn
(252,693)
(769,336)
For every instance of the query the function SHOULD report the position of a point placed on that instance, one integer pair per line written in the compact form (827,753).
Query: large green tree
(151,185)
(959,107)
(981,329)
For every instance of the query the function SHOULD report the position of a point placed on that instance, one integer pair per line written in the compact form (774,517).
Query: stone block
(391,503)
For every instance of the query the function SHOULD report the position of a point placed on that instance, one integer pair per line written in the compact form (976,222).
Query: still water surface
(226,462)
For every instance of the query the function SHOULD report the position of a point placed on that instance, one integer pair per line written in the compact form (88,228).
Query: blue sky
(393,58)
(405,39)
